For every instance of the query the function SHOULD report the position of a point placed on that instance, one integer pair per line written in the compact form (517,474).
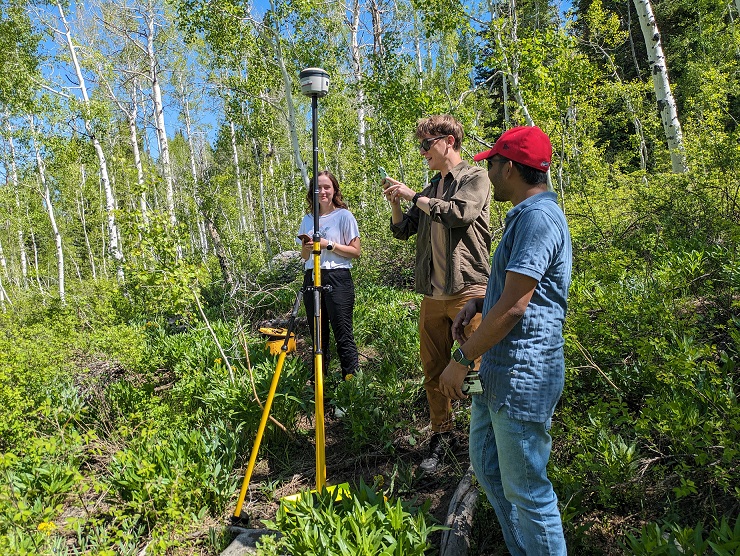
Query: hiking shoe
(439,444)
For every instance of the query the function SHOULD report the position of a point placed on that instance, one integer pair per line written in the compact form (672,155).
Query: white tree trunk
(356,56)
(16,188)
(3,296)
(110,204)
(36,261)
(261,175)
(83,221)
(662,86)
(3,261)
(238,175)
(46,196)
(514,66)
(274,41)
(159,120)
(417,50)
(193,170)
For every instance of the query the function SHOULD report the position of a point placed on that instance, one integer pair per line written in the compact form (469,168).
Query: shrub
(361,523)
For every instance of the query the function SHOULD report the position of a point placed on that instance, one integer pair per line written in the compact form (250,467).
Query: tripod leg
(266,410)
(260,432)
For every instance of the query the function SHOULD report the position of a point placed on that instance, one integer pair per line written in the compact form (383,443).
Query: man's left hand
(451,380)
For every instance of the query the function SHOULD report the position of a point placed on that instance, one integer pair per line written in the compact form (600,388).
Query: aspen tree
(662,85)
(110,204)
(49,206)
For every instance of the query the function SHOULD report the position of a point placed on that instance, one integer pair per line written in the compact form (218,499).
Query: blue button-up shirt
(525,371)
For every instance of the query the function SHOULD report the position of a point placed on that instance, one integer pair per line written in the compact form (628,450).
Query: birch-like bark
(356,56)
(238,174)
(506,73)
(3,261)
(193,170)
(16,189)
(110,204)
(417,50)
(514,65)
(36,260)
(662,86)
(3,296)
(48,204)
(131,113)
(159,120)
(274,41)
(261,179)
(83,221)
(377,21)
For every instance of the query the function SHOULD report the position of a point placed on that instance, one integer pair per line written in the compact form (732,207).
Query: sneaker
(439,444)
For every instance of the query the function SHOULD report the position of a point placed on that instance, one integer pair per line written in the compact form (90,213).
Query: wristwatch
(459,356)
(330,246)
(416,198)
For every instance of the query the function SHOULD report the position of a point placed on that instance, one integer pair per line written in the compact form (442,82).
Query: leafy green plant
(360,523)
(672,539)
(373,402)
(169,473)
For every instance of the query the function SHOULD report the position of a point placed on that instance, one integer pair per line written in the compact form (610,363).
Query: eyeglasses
(426,144)
(494,159)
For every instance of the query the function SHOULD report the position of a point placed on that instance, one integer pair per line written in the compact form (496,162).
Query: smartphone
(383,174)
(471,384)
(305,238)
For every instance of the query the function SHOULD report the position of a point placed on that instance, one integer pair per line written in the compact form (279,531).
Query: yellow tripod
(319,394)
(315,84)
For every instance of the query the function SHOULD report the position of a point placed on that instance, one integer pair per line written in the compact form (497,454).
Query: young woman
(340,243)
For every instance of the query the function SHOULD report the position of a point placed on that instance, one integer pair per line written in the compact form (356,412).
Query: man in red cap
(450,218)
(521,341)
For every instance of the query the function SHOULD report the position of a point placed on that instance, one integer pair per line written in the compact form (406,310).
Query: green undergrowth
(361,522)
(121,430)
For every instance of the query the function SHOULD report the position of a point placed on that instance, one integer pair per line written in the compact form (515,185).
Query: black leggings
(336,309)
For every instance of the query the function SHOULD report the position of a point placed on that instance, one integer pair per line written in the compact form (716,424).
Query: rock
(246,542)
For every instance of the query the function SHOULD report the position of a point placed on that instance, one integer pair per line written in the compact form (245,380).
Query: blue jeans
(510,458)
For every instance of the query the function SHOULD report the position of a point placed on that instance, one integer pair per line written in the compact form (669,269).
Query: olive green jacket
(464,210)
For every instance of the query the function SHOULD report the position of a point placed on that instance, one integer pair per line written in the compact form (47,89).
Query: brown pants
(435,337)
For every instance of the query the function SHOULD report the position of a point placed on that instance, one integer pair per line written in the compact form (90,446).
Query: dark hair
(530,175)
(336,198)
(441,124)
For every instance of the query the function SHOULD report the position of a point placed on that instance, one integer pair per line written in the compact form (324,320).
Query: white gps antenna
(314,82)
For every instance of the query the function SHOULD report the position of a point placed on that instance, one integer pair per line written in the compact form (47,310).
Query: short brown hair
(441,124)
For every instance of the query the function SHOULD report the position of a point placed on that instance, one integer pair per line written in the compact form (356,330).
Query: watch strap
(459,356)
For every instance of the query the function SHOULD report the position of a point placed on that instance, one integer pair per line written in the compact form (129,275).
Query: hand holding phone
(305,238)
(471,384)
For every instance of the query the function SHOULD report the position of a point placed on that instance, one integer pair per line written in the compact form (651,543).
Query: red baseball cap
(528,145)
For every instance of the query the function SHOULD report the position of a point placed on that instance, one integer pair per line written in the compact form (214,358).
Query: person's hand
(463,319)
(395,190)
(451,380)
